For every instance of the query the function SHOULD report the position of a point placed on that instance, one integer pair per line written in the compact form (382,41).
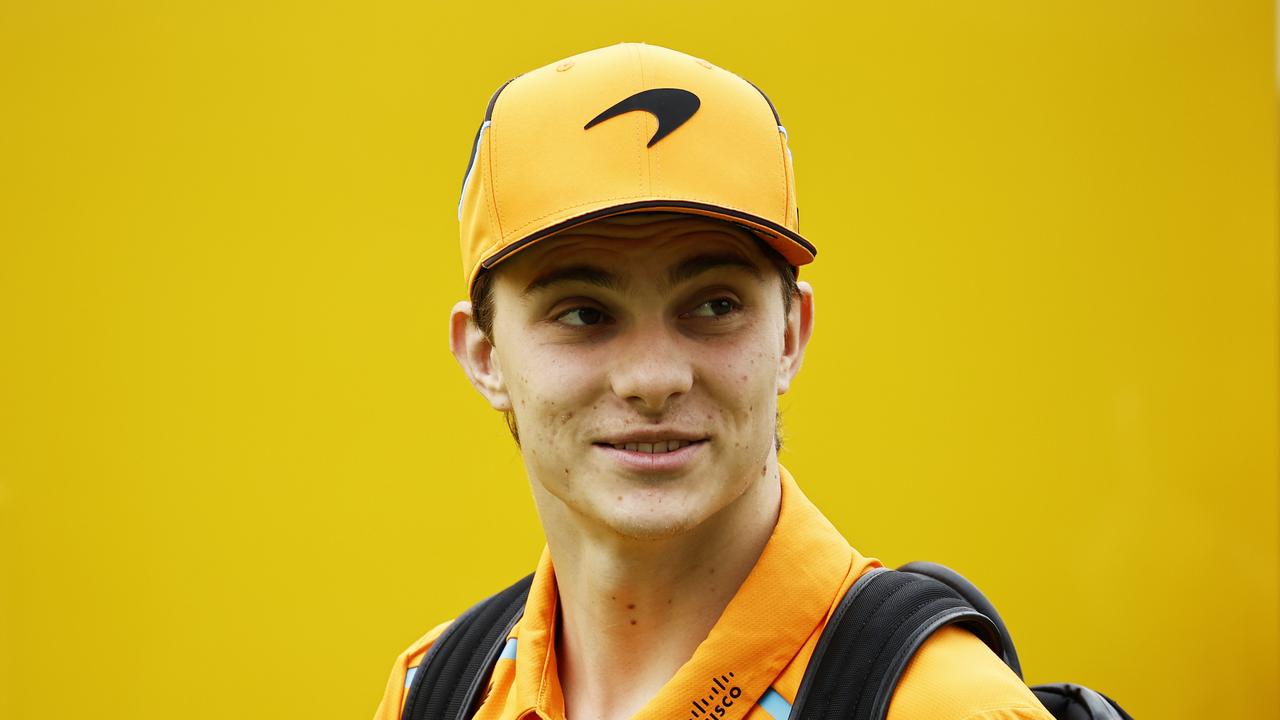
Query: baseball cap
(627,128)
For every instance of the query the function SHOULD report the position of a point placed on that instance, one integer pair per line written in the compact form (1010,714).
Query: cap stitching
(786,179)
(647,165)
(637,127)
(777,121)
(493,184)
(486,188)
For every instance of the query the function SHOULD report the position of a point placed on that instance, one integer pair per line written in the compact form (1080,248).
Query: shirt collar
(778,607)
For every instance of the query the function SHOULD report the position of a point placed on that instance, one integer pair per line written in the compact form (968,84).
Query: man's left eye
(714,308)
(582,316)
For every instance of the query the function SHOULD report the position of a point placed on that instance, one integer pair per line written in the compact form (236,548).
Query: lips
(663,457)
(653,440)
(662,449)
(662,446)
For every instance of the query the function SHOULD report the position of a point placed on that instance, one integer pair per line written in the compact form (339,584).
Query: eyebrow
(700,264)
(589,274)
(598,276)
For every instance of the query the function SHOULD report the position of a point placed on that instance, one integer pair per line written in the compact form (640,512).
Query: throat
(638,609)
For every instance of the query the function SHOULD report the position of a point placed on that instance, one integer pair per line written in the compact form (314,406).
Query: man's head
(630,236)
(633,332)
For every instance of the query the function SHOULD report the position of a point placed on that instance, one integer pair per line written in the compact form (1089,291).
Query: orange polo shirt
(751,664)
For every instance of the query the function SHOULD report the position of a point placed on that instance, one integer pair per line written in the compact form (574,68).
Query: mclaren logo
(671,106)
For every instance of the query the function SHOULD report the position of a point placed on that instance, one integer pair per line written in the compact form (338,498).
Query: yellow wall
(239,470)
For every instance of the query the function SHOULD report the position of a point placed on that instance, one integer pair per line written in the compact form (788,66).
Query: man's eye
(715,308)
(582,316)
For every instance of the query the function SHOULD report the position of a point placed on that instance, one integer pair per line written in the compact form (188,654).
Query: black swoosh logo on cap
(671,106)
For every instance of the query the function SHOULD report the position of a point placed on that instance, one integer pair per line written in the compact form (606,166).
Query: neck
(638,608)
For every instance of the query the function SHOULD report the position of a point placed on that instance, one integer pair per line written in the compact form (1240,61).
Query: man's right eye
(582,316)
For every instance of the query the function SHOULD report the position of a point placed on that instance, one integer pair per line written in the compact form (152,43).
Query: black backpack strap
(1066,700)
(456,668)
(880,623)
(974,597)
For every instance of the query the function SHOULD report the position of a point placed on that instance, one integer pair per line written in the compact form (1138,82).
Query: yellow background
(239,470)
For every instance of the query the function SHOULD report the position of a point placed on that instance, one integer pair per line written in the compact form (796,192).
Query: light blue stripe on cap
(775,705)
(475,157)
(508,650)
(408,676)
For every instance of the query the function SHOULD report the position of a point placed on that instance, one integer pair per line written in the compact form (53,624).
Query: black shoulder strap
(884,618)
(1066,700)
(448,682)
(975,598)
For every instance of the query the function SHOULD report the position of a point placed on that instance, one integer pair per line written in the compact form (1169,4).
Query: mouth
(653,455)
(653,448)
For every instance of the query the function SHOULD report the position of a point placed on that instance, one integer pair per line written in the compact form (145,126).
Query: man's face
(642,356)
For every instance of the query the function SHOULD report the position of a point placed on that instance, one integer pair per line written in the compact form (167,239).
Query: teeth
(663,446)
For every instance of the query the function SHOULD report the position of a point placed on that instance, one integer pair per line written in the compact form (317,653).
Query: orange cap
(625,128)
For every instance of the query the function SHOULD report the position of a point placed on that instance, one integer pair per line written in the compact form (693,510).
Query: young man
(629,232)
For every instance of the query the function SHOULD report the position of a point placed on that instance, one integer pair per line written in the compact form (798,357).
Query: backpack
(875,630)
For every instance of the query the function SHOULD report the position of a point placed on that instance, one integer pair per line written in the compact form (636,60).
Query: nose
(650,369)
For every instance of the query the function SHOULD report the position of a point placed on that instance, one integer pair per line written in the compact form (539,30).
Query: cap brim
(790,244)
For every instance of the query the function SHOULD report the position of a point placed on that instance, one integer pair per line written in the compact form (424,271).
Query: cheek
(549,389)
(743,381)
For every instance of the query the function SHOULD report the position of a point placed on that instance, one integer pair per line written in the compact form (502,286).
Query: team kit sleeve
(955,676)
(401,672)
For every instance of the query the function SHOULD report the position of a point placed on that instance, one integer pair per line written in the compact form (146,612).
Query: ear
(799,326)
(477,356)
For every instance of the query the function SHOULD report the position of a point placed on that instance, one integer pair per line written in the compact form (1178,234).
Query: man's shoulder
(413,655)
(511,598)
(402,672)
(955,676)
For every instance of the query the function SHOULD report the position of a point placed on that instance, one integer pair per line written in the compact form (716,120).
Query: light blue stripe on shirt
(508,650)
(508,653)
(775,705)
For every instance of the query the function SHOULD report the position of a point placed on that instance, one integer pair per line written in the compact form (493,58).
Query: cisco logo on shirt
(722,696)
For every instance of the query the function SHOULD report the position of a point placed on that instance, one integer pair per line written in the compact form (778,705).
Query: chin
(653,516)
(650,528)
